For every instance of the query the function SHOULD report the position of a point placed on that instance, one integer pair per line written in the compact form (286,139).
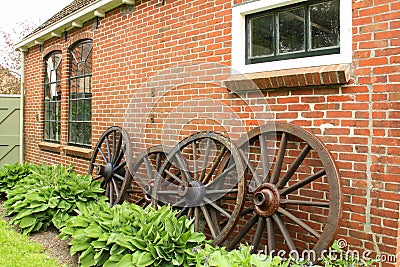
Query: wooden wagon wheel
(109,165)
(203,179)
(294,197)
(143,171)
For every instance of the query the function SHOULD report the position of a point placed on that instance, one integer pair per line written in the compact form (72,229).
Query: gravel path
(54,246)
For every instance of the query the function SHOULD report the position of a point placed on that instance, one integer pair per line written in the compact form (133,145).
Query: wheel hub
(193,192)
(105,171)
(266,200)
(148,188)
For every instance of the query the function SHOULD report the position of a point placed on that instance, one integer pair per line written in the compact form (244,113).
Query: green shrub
(49,195)
(127,235)
(11,174)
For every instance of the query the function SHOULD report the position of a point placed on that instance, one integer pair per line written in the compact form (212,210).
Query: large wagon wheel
(203,179)
(294,197)
(109,165)
(143,172)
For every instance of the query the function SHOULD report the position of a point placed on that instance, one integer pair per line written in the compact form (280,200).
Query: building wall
(358,121)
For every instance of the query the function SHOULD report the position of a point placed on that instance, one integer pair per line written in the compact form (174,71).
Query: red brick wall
(359,122)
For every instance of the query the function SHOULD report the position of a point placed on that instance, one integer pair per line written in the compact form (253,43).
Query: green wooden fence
(9,128)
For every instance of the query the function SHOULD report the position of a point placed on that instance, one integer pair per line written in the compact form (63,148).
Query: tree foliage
(10,59)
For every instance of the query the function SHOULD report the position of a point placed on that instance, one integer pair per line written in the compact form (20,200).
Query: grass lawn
(17,251)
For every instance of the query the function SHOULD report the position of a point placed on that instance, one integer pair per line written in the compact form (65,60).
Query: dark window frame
(78,119)
(52,105)
(292,55)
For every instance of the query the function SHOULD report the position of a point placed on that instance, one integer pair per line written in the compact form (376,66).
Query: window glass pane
(88,110)
(80,96)
(81,87)
(72,110)
(87,133)
(46,110)
(72,132)
(86,51)
(47,94)
(88,85)
(88,69)
(324,24)
(291,30)
(46,130)
(262,36)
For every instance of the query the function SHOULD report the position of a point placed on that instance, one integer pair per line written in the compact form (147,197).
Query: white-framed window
(272,35)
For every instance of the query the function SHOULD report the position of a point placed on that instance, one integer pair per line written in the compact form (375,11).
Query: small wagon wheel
(143,172)
(203,179)
(109,165)
(294,197)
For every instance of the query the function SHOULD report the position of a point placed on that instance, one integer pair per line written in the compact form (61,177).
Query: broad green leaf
(27,221)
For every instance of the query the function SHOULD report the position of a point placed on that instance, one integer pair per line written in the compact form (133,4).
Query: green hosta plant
(49,195)
(207,255)
(127,235)
(11,174)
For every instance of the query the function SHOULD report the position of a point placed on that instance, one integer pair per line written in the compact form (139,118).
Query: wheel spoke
(148,167)
(218,208)
(194,154)
(322,204)
(183,169)
(281,225)
(158,161)
(270,234)
(255,175)
(279,159)
(215,165)
(299,222)
(259,233)
(176,178)
(221,175)
(168,192)
(116,188)
(123,164)
(221,191)
(209,222)
(120,155)
(243,232)
(264,156)
(97,178)
(205,163)
(196,219)
(178,203)
(302,183)
(108,149)
(111,194)
(116,175)
(102,155)
(181,212)
(114,143)
(117,150)
(293,168)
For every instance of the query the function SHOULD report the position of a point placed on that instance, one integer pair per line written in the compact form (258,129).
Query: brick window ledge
(312,76)
(52,147)
(78,152)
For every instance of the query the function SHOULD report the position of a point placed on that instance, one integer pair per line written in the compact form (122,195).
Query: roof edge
(71,21)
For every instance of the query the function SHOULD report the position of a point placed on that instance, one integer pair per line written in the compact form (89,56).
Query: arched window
(80,94)
(52,97)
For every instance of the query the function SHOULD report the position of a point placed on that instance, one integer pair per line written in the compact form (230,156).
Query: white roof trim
(83,15)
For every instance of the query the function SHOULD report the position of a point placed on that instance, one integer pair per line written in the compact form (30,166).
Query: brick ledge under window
(311,76)
(52,147)
(81,152)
